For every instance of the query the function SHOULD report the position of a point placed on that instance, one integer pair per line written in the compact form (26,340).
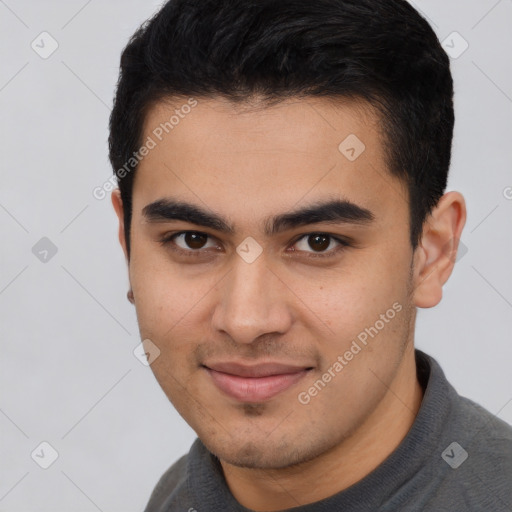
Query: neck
(345,464)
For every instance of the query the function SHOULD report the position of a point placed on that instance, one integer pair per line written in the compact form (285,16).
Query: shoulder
(477,459)
(460,414)
(194,478)
(476,469)
(169,483)
(488,438)
(470,463)
(482,422)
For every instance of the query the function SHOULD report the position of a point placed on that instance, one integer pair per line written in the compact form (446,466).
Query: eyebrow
(332,211)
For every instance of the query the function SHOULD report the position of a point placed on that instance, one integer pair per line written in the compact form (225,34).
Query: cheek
(173,307)
(366,303)
(167,304)
(350,298)
(163,293)
(157,300)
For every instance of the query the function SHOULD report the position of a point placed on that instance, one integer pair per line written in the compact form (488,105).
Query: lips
(255,383)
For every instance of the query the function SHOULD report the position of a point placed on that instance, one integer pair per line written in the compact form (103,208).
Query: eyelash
(167,241)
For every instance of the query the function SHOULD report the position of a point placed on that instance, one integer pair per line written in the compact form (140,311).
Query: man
(282,169)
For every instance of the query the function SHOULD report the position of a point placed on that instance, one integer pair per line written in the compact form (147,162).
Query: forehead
(258,158)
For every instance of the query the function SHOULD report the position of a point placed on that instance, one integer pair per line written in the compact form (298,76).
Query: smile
(254,383)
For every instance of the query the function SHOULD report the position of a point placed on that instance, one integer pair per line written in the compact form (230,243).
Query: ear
(117,202)
(436,253)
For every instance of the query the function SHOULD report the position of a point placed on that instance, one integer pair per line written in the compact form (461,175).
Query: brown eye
(191,242)
(319,242)
(195,240)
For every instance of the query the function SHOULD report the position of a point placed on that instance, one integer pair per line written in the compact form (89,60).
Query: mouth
(256,383)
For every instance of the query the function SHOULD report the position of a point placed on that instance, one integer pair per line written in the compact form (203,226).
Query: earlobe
(117,202)
(435,256)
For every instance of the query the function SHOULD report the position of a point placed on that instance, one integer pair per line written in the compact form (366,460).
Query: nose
(252,301)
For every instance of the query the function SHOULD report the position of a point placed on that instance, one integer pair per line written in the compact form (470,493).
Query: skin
(248,163)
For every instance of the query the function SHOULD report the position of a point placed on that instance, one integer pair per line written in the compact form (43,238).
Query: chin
(263,454)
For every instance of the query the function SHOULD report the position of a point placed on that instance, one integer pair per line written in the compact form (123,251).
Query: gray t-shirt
(457,457)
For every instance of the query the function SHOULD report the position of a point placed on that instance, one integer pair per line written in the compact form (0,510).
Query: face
(270,264)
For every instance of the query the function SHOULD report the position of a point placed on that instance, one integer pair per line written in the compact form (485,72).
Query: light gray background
(68,373)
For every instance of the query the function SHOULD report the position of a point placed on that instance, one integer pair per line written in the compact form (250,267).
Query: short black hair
(380,51)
